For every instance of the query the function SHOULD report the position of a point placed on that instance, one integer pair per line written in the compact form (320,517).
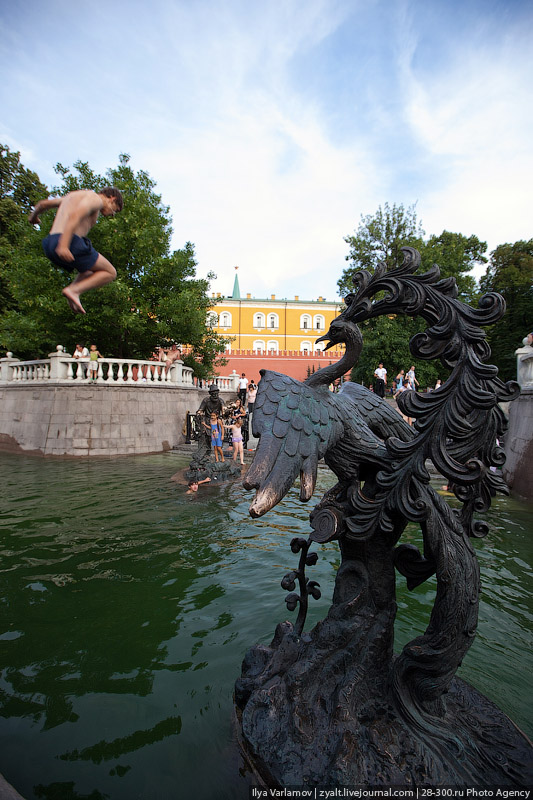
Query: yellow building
(272,325)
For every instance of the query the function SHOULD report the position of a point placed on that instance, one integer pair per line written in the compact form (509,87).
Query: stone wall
(518,468)
(101,420)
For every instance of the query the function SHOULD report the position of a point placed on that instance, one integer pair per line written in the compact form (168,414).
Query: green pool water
(126,607)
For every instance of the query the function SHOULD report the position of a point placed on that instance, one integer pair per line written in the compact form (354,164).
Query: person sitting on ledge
(67,245)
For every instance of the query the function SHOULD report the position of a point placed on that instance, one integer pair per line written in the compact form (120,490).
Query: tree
(20,189)
(510,272)
(456,255)
(380,238)
(155,300)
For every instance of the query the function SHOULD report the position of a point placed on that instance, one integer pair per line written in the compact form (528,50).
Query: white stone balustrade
(60,367)
(229,384)
(31,371)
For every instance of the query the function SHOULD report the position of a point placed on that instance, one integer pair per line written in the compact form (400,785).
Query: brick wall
(290,362)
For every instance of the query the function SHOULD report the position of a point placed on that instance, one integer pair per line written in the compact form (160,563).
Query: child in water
(193,485)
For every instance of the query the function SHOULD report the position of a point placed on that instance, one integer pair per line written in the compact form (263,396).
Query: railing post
(58,365)
(6,367)
(234,381)
(175,372)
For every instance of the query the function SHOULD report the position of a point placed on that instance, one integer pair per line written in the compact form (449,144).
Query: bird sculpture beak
(325,338)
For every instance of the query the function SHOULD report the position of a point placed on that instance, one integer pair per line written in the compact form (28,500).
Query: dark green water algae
(126,607)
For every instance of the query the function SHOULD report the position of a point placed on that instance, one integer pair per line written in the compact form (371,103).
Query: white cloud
(204,97)
(474,123)
(271,191)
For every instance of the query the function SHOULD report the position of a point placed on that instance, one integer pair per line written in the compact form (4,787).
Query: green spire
(236,290)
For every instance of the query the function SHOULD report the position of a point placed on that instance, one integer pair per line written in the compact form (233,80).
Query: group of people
(402,382)
(212,413)
(406,381)
(247,393)
(92,355)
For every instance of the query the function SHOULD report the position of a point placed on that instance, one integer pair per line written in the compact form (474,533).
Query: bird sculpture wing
(296,425)
(381,418)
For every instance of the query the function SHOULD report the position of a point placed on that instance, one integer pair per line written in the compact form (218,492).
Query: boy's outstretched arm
(43,205)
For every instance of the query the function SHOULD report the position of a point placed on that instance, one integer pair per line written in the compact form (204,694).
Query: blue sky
(270,127)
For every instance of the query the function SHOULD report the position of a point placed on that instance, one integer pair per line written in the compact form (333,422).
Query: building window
(318,348)
(259,320)
(306,347)
(212,319)
(225,319)
(319,323)
(273,321)
(305,322)
(272,347)
(259,346)
(228,347)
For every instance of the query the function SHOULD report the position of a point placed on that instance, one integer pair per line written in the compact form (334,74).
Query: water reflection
(127,606)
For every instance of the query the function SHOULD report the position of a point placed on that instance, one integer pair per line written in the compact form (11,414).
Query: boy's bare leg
(102,272)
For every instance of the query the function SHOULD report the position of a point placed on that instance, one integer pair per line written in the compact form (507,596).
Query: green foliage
(510,272)
(20,189)
(380,238)
(155,300)
(456,255)
(387,339)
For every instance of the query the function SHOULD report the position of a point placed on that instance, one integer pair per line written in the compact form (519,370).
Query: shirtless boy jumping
(67,245)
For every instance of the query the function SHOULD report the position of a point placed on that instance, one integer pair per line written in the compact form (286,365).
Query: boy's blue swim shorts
(85,255)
